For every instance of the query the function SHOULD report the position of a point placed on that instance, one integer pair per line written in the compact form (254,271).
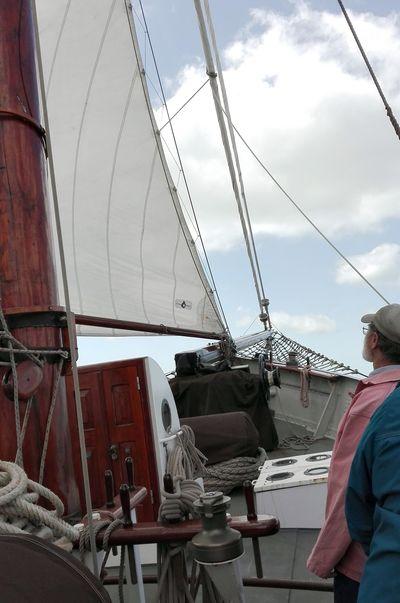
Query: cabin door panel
(96,435)
(126,430)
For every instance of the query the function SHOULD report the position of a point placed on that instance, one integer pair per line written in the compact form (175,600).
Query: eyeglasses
(365,330)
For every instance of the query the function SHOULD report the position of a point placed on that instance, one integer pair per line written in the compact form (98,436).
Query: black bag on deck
(228,391)
(35,571)
(224,436)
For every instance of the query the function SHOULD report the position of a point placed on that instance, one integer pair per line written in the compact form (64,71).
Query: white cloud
(303,323)
(300,94)
(299,323)
(380,264)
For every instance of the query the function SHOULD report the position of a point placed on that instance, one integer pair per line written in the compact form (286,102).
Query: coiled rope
(184,463)
(20,512)
(230,474)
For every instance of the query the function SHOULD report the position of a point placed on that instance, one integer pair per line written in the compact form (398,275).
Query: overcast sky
(301,96)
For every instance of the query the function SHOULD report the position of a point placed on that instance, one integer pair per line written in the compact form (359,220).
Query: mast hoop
(26,119)
(211,73)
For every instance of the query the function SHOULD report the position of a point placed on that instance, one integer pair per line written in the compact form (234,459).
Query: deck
(284,555)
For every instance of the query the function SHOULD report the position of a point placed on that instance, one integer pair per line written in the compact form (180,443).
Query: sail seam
(150,181)
(57,47)
(74,185)
(110,190)
(174,272)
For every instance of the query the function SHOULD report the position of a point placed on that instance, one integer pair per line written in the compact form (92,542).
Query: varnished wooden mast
(27,275)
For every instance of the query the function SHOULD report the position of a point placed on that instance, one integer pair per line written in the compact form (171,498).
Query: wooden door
(96,436)
(127,426)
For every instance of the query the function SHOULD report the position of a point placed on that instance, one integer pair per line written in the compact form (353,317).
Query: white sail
(128,249)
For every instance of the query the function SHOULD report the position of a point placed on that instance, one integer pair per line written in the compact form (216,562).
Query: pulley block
(29,376)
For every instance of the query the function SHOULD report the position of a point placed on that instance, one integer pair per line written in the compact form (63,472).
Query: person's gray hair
(389,349)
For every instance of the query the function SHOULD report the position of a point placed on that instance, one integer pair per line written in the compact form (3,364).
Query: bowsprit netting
(280,345)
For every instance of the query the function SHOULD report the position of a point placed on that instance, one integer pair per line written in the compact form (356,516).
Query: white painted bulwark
(328,397)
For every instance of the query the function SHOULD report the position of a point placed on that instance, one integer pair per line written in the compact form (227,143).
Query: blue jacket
(373,503)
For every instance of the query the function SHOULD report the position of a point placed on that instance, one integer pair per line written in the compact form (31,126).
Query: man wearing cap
(373,503)
(334,552)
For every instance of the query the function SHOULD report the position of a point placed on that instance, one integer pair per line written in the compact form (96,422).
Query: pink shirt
(334,548)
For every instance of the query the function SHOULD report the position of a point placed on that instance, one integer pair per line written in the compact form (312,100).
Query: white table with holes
(293,489)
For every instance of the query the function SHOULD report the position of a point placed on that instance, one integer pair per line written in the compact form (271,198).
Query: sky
(301,96)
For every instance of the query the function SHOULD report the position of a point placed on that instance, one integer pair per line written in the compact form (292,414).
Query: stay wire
(234,146)
(221,117)
(388,108)
(184,104)
(250,325)
(215,290)
(306,217)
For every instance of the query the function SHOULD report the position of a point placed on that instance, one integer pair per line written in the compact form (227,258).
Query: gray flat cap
(387,321)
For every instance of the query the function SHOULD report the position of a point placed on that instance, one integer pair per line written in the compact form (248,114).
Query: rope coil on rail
(20,512)
(184,462)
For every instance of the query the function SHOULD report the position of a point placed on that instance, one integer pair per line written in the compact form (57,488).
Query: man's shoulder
(370,398)
(389,375)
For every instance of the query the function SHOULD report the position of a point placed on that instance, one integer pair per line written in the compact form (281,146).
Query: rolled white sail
(129,253)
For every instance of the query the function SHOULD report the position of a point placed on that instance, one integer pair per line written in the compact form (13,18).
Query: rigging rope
(305,377)
(184,105)
(388,108)
(84,546)
(34,356)
(49,420)
(14,346)
(309,220)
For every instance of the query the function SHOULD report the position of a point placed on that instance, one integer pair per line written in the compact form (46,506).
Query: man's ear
(373,342)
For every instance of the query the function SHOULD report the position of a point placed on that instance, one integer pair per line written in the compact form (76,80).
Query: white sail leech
(129,252)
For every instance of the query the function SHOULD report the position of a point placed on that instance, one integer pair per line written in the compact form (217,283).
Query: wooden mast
(27,275)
